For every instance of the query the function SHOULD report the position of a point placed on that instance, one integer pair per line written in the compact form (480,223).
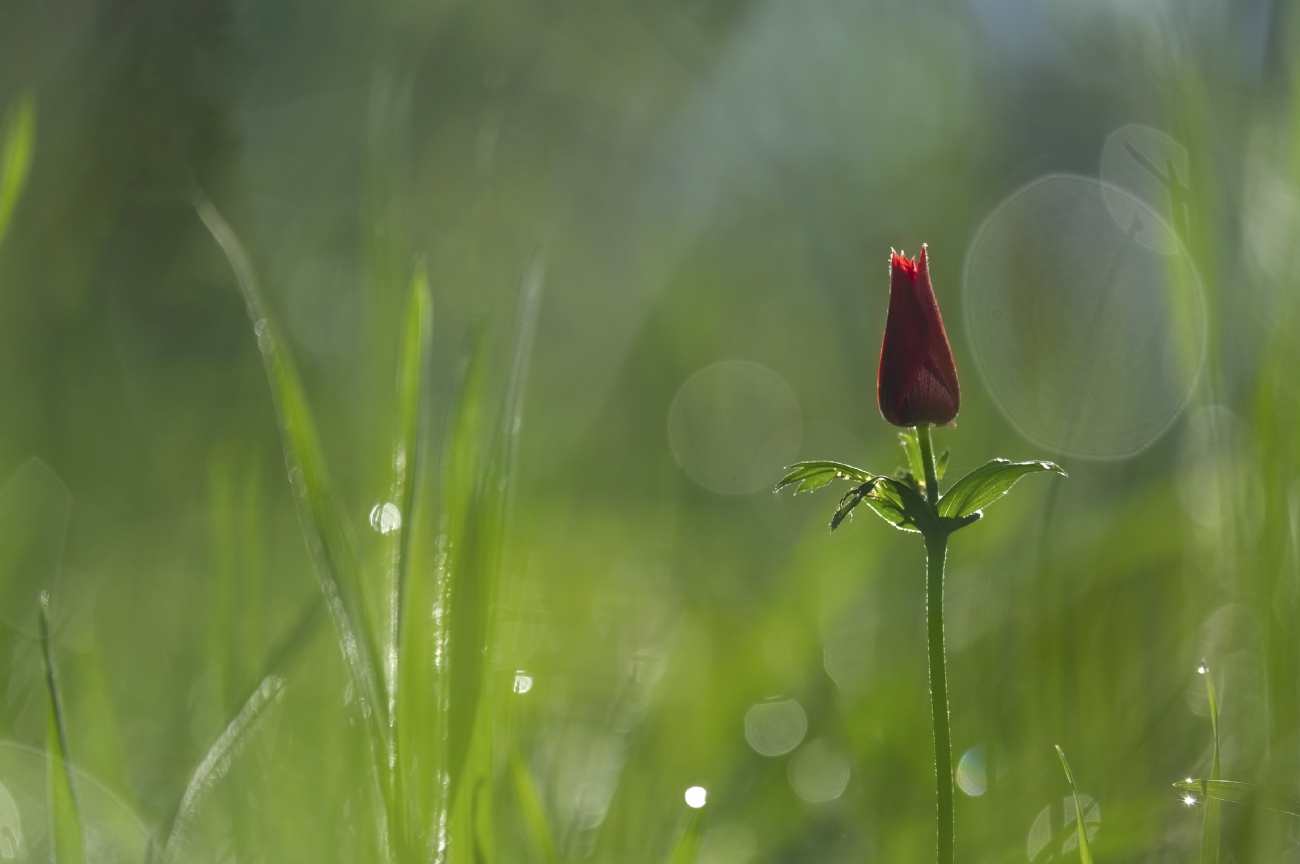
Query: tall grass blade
(16,157)
(1211,827)
(482,484)
(328,540)
(66,831)
(688,845)
(327,537)
(412,635)
(216,763)
(1085,854)
(536,825)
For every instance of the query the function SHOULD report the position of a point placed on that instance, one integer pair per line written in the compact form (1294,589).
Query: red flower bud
(917,382)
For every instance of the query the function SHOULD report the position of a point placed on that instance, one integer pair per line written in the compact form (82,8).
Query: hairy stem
(936,550)
(927,459)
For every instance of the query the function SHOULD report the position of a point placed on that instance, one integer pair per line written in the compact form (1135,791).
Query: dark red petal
(917,381)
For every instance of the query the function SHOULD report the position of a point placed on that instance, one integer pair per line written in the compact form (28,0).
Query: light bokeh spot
(818,772)
(697,797)
(774,728)
(1088,340)
(971,775)
(729,421)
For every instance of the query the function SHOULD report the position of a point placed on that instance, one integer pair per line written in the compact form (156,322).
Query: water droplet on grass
(385,517)
(696,797)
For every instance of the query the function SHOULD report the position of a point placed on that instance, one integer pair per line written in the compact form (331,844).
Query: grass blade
(1211,827)
(414,632)
(327,538)
(16,157)
(537,827)
(1247,794)
(481,486)
(216,763)
(66,832)
(689,843)
(1085,854)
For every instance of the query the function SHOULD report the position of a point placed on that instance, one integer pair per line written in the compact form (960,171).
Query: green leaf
(941,466)
(851,499)
(66,832)
(915,464)
(902,506)
(688,844)
(1085,854)
(216,763)
(1210,829)
(986,484)
(532,810)
(1247,794)
(814,475)
(16,156)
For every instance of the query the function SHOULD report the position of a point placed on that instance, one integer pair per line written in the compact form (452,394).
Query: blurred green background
(706,192)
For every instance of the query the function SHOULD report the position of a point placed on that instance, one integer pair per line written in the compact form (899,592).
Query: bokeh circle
(731,423)
(1088,337)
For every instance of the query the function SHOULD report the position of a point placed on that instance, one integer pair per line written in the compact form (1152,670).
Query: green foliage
(532,810)
(19,136)
(1085,854)
(216,763)
(66,829)
(986,484)
(688,842)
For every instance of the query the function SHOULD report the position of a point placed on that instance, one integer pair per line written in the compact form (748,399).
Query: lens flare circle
(1088,334)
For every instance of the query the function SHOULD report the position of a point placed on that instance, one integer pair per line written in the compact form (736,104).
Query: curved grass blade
(66,831)
(412,631)
(531,809)
(1247,794)
(327,537)
(986,484)
(218,760)
(16,157)
(1085,854)
(815,475)
(480,487)
(689,843)
(1210,829)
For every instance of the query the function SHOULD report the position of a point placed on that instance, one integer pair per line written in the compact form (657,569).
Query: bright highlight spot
(1189,800)
(1200,669)
(696,796)
(385,518)
(523,682)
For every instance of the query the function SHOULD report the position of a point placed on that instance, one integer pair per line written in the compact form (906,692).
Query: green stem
(927,459)
(936,550)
